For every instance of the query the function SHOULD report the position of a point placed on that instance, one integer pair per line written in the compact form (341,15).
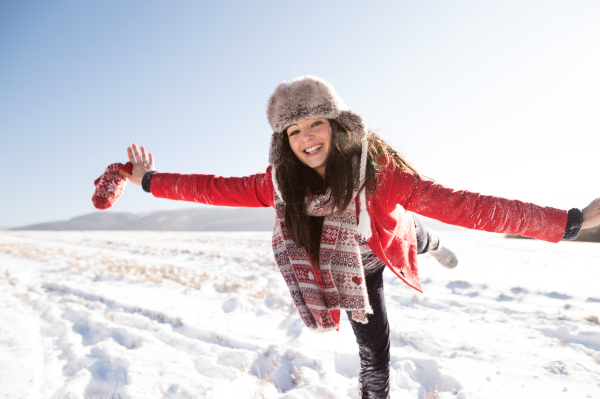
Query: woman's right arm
(250,191)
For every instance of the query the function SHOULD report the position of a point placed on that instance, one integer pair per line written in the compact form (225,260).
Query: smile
(312,150)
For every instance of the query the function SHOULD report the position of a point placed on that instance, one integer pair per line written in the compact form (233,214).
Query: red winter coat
(398,191)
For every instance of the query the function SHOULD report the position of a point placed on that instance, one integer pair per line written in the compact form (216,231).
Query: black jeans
(373,338)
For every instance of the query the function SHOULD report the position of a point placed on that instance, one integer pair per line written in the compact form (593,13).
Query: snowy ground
(207,315)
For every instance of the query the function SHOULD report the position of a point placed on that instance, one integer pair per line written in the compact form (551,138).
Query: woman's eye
(293,133)
(317,123)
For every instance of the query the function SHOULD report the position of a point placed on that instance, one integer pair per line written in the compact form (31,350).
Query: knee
(376,348)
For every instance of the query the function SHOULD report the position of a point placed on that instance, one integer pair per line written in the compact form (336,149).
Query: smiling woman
(342,197)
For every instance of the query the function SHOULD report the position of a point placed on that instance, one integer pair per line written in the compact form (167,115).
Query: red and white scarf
(340,265)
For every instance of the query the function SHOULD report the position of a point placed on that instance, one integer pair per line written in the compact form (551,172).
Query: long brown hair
(294,178)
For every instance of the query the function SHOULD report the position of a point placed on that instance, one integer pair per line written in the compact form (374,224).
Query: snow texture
(208,315)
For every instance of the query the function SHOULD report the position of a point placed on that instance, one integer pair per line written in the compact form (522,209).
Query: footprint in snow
(109,370)
(422,372)
(460,284)
(590,339)
(504,298)
(557,367)
(557,295)
(518,290)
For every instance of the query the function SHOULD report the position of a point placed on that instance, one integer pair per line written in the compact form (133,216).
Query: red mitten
(110,185)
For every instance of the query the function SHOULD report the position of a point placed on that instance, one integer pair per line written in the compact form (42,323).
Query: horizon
(499,99)
(431,223)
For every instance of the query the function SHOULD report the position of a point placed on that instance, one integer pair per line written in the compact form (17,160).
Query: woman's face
(311,142)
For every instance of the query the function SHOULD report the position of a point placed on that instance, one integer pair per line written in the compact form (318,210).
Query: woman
(341,196)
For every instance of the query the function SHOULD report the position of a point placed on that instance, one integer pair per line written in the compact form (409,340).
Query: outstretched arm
(250,191)
(476,211)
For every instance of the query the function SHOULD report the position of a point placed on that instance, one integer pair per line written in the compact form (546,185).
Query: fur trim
(307,97)
(275,148)
(364,220)
(275,184)
(303,98)
(354,123)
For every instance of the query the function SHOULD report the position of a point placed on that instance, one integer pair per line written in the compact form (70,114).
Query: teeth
(313,149)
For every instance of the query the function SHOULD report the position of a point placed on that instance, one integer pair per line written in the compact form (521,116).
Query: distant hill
(590,235)
(198,219)
(203,219)
(586,235)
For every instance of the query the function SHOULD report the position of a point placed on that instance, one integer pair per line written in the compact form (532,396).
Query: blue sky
(501,98)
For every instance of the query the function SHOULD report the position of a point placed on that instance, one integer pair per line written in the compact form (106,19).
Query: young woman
(341,196)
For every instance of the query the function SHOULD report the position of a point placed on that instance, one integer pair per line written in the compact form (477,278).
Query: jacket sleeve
(475,211)
(250,191)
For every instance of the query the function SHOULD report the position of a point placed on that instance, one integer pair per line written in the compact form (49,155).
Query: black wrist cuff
(574,222)
(146,181)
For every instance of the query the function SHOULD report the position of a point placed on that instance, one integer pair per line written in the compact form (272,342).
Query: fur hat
(309,97)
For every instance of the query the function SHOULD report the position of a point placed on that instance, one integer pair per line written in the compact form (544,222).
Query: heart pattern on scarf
(357,280)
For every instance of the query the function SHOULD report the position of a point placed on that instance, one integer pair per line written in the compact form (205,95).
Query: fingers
(144,157)
(136,153)
(130,155)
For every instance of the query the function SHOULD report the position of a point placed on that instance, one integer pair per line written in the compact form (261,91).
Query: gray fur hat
(307,97)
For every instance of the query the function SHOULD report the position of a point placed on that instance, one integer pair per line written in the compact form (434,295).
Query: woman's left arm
(485,212)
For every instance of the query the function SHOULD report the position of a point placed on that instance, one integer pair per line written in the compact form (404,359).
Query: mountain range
(194,219)
(587,235)
(209,219)
(198,219)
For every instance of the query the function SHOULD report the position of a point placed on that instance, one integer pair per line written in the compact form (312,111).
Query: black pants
(373,338)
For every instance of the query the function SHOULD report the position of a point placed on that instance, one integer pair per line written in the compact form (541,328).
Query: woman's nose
(306,134)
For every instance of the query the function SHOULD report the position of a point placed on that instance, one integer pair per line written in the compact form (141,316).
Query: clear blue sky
(497,97)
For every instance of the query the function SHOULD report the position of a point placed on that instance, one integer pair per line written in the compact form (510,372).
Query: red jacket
(398,191)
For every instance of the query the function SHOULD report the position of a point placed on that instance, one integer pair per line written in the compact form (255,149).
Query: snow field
(208,315)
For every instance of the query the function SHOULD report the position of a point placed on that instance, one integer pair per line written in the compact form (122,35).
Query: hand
(141,164)
(591,214)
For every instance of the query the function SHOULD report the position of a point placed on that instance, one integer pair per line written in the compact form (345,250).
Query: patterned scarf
(340,265)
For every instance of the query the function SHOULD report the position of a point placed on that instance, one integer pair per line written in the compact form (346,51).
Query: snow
(207,315)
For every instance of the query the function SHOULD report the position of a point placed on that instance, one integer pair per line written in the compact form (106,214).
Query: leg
(373,340)
(428,241)
(426,238)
